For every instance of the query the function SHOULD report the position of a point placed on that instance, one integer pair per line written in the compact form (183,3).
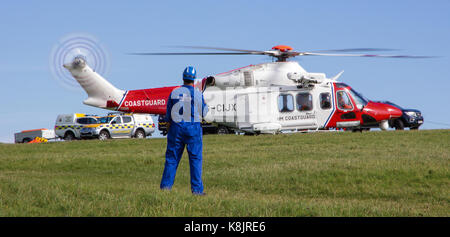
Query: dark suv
(411,118)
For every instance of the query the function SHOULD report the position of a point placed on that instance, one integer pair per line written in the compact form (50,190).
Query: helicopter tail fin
(101,93)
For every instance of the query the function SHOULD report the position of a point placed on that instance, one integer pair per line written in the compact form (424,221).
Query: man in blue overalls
(185,111)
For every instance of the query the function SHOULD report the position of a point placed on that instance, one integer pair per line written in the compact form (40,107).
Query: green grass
(322,174)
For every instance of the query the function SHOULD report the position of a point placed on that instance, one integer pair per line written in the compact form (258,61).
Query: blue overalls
(185,130)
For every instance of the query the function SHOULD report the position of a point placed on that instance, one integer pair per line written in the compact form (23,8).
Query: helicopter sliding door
(305,109)
(255,106)
(325,105)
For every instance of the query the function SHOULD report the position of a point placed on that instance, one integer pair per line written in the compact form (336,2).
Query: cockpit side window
(358,98)
(343,101)
(341,85)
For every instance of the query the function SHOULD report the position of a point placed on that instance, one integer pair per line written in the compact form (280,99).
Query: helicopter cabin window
(304,102)
(325,100)
(285,103)
(343,101)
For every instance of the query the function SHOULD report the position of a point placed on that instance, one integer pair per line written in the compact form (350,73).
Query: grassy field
(392,173)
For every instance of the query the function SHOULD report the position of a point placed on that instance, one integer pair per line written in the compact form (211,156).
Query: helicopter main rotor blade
(218,48)
(230,53)
(352,50)
(364,55)
(293,52)
(285,52)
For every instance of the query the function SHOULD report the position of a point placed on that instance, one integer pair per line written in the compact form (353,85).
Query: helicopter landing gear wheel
(222,130)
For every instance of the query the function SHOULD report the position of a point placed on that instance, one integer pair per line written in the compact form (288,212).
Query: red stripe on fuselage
(234,70)
(151,101)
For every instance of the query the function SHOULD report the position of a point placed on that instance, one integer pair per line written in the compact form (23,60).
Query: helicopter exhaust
(100,91)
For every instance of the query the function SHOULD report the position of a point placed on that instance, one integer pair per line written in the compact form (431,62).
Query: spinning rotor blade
(351,50)
(223,49)
(283,52)
(188,53)
(236,51)
(365,55)
(293,53)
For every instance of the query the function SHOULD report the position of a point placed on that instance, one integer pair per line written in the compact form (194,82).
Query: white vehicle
(68,126)
(28,135)
(120,126)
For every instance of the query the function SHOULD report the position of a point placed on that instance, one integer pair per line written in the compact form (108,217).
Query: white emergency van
(28,135)
(120,126)
(68,126)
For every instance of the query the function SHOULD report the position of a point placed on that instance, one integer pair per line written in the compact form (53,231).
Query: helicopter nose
(381,111)
(394,111)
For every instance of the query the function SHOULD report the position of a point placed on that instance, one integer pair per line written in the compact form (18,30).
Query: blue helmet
(189,73)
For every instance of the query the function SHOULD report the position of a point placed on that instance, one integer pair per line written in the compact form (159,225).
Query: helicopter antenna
(337,76)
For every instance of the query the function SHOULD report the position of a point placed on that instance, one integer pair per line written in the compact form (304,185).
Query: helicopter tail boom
(101,93)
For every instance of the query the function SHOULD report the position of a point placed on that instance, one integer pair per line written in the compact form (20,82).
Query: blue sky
(32,98)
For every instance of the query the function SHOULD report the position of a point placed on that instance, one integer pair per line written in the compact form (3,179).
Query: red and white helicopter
(263,98)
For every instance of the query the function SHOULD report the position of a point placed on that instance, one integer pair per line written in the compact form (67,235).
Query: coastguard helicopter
(269,97)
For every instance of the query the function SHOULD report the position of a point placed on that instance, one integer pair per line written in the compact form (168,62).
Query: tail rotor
(77,50)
